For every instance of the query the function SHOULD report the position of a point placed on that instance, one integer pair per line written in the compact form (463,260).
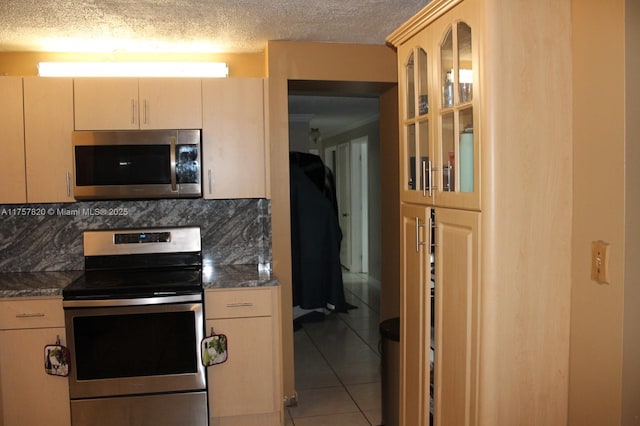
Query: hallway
(337,363)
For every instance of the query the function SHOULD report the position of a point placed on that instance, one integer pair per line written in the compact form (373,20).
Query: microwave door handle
(173,163)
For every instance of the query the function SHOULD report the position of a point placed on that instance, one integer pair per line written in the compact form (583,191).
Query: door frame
(347,68)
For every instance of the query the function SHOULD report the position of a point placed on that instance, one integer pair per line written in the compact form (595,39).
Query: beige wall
(307,61)
(600,208)
(26,63)
(631,331)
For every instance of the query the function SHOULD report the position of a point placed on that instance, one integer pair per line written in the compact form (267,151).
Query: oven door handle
(137,301)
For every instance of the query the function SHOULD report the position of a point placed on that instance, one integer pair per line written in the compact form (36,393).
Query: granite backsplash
(48,237)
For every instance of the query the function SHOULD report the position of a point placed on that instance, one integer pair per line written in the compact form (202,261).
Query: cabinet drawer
(38,313)
(238,303)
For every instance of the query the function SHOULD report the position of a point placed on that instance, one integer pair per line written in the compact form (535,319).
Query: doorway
(338,355)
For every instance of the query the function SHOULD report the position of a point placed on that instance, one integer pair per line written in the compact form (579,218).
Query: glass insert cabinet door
(456,115)
(439,98)
(418,152)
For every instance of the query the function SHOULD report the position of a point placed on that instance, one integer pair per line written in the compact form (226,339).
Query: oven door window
(135,345)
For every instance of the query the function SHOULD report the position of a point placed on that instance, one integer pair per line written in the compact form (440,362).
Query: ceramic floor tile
(367,396)
(338,363)
(324,401)
(344,419)
(364,372)
(374,416)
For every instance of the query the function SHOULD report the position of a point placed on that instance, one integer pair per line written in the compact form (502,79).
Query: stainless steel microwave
(137,164)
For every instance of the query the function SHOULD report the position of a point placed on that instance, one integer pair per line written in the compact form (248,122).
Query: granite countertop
(237,276)
(43,283)
(51,283)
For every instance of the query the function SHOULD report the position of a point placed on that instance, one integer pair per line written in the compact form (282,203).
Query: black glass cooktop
(134,283)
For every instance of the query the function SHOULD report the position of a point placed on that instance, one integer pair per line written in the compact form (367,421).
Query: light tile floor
(337,363)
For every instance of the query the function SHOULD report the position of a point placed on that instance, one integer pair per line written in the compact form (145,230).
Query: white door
(359,206)
(343,194)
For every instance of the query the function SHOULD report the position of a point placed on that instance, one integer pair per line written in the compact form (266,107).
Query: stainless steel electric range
(134,323)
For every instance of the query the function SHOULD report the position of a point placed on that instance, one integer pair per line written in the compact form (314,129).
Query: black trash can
(390,352)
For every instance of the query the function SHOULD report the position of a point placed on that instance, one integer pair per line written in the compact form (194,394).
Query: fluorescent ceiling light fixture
(133,69)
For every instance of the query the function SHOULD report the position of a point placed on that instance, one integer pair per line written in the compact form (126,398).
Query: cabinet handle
(146,112)
(69,184)
(240,305)
(133,111)
(209,180)
(33,315)
(172,160)
(425,180)
(448,187)
(427,174)
(432,231)
(418,242)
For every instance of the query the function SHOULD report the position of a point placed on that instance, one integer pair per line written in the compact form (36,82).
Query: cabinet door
(48,122)
(12,172)
(457,138)
(170,103)
(246,383)
(29,395)
(417,156)
(106,103)
(233,138)
(456,316)
(415,316)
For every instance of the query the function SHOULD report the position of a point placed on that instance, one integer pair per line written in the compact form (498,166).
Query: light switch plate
(600,262)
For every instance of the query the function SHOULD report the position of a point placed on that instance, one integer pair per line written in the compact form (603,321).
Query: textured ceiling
(193,25)
(209,26)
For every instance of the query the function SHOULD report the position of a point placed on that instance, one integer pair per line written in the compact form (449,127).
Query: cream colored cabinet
(485,149)
(234,138)
(439,316)
(13,190)
(440,145)
(245,390)
(48,124)
(29,395)
(38,116)
(131,103)
(456,313)
(415,316)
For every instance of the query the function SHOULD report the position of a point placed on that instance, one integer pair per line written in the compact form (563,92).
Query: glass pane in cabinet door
(448,152)
(466,151)
(465,63)
(423,94)
(410,94)
(423,150)
(446,70)
(411,157)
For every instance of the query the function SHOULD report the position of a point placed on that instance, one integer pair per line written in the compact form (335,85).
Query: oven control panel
(141,241)
(142,237)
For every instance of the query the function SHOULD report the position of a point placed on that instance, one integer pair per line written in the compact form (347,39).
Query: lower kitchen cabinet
(29,395)
(439,316)
(245,390)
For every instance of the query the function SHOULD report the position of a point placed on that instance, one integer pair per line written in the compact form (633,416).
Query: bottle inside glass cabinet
(416,124)
(456,137)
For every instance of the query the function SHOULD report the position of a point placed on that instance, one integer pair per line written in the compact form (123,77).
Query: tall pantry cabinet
(485,186)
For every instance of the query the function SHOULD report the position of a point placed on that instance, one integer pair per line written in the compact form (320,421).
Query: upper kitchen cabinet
(48,124)
(440,150)
(132,103)
(233,138)
(13,170)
